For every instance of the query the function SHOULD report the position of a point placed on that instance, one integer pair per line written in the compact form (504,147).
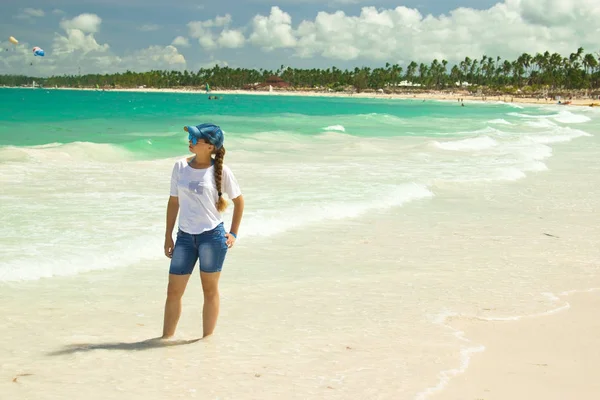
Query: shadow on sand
(131,346)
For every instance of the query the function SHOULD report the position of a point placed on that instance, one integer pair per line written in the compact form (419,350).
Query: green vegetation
(527,74)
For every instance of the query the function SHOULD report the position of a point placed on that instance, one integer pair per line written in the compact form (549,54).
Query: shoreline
(433,95)
(544,356)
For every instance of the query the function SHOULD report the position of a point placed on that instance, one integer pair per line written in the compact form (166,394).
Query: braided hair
(219,155)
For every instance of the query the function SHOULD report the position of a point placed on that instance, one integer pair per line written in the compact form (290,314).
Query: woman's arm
(172,210)
(238,211)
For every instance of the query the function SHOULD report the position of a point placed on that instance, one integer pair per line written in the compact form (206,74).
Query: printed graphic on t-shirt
(196,187)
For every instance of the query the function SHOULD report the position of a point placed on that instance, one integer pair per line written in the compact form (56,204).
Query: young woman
(197,187)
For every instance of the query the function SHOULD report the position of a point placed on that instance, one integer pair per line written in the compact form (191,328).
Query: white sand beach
(458,95)
(458,295)
(552,356)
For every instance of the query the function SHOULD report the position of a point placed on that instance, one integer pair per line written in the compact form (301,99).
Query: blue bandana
(209,132)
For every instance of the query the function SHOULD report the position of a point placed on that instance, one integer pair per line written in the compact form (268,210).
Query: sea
(369,224)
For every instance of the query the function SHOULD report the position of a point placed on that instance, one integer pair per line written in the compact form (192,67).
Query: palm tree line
(542,71)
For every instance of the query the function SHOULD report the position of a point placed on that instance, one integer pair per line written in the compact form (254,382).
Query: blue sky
(114,35)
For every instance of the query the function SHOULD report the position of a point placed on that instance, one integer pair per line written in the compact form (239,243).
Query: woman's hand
(230,240)
(169,245)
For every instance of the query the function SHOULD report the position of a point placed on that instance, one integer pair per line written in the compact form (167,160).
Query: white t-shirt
(198,195)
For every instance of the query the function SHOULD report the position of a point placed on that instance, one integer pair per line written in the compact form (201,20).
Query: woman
(197,187)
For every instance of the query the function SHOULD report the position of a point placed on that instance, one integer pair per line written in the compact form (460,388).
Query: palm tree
(576,71)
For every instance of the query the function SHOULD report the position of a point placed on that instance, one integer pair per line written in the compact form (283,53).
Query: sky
(108,36)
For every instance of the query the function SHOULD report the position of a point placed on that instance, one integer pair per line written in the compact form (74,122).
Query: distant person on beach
(197,187)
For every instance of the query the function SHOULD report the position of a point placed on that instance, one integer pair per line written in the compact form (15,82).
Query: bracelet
(233,234)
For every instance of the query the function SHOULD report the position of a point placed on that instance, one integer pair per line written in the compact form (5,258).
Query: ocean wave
(467,350)
(75,151)
(383,118)
(556,135)
(490,174)
(499,121)
(471,144)
(488,130)
(468,347)
(511,105)
(75,260)
(281,137)
(521,115)
(268,223)
(343,138)
(338,128)
(541,123)
(565,117)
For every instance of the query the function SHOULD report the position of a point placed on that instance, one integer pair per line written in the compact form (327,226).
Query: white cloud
(208,42)
(78,50)
(203,31)
(34,12)
(155,57)
(506,29)
(180,41)
(198,29)
(375,35)
(76,40)
(218,21)
(89,23)
(274,31)
(29,13)
(231,39)
(548,12)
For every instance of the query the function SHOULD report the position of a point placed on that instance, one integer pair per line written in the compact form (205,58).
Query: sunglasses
(194,139)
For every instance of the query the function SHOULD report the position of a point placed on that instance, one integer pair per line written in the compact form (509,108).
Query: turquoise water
(84,172)
(57,116)
(368,223)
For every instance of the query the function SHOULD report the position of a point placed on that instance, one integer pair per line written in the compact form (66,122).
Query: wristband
(233,234)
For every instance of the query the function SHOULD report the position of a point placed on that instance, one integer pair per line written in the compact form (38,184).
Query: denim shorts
(209,248)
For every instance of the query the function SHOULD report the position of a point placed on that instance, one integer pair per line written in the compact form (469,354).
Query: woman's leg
(210,311)
(185,255)
(211,255)
(175,290)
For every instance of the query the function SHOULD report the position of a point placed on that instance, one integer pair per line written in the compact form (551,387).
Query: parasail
(13,40)
(38,52)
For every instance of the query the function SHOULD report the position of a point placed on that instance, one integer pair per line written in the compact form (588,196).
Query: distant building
(406,83)
(275,81)
(270,83)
